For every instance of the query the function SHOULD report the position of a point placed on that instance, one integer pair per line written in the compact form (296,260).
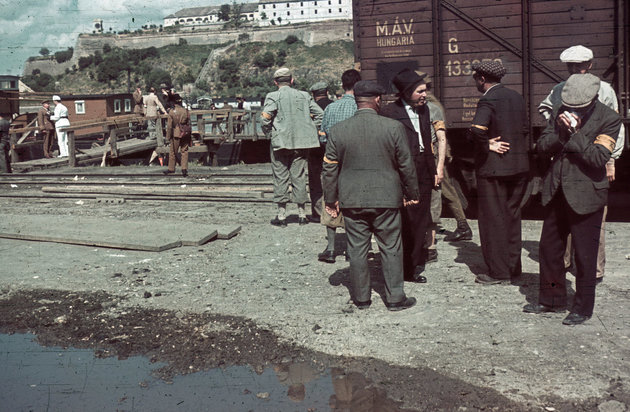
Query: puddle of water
(37,378)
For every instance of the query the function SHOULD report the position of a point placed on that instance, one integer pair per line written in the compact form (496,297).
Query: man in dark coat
(411,110)
(46,127)
(579,142)
(5,143)
(367,169)
(501,136)
(319,91)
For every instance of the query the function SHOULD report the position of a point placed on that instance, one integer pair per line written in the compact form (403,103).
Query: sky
(28,25)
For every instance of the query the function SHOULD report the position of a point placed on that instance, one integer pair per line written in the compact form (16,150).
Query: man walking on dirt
(367,169)
(291,118)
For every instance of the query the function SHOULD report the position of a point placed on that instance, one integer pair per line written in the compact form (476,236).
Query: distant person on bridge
(500,131)
(60,117)
(46,127)
(5,143)
(178,133)
(579,59)
(290,118)
(152,104)
(578,142)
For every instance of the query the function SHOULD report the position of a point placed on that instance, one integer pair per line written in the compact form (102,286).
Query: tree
(235,18)
(107,48)
(291,39)
(264,60)
(44,51)
(85,61)
(182,42)
(156,77)
(224,13)
(64,56)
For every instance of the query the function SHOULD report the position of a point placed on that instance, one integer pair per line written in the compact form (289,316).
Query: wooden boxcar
(445,37)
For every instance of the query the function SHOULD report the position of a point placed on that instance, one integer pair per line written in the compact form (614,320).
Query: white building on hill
(267,12)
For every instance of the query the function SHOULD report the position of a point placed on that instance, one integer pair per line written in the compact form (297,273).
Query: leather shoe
(327,256)
(279,222)
(402,305)
(463,232)
(484,279)
(303,221)
(599,280)
(168,172)
(363,305)
(185,173)
(540,308)
(575,319)
(419,279)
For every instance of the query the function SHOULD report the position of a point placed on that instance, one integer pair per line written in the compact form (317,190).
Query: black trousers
(499,203)
(416,220)
(385,225)
(561,220)
(5,158)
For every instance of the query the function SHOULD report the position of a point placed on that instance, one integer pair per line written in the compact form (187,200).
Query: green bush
(264,60)
(85,62)
(290,38)
(64,56)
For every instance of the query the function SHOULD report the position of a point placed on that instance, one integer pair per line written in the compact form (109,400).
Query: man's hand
(565,121)
(410,202)
(332,209)
(497,146)
(610,170)
(438,177)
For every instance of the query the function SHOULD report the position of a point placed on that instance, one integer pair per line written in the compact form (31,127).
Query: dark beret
(367,88)
(580,90)
(490,68)
(407,79)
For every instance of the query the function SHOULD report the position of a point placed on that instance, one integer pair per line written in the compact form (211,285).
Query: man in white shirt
(60,117)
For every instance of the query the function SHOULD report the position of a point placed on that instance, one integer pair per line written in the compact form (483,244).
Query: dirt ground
(263,298)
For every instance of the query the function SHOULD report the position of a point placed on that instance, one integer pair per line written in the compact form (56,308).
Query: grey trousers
(288,167)
(385,225)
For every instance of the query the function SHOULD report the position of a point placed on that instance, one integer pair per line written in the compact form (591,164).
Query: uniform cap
(319,86)
(45,101)
(580,90)
(407,79)
(366,88)
(163,86)
(427,78)
(490,68)
(576,54)
(282,72)
(56,98)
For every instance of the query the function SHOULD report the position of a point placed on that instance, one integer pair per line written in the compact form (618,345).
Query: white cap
(56,98)
(576,54)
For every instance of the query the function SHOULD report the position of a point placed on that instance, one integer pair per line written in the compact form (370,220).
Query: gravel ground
(463,345)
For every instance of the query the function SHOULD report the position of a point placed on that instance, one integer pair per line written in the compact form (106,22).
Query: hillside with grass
(242,68)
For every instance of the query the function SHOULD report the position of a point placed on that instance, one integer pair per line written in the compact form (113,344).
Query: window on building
(117,108)
(127,105)
(329,2)
(339,10)
(79,106)
(329,11)
(274,14)
(288,13)
(274,6)
(315,11)
(288,4)
(339,3)
(302,12)
(301,4)
(263,6)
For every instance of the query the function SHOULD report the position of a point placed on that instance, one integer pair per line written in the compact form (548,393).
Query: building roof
(249,7)
(277,1)
(194,12)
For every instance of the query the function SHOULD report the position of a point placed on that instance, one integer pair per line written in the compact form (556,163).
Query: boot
(463,232)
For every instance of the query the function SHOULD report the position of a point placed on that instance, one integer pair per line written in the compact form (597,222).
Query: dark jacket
(501,112)
(423,161)
(368,164)
(579,160)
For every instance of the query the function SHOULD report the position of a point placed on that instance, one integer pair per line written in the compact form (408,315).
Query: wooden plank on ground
(228,232)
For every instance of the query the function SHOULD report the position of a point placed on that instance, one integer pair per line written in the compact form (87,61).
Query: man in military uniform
(46,128)
(500,132)
(366,171)
(290,117)
(319,91)
(579,59)
(579,142)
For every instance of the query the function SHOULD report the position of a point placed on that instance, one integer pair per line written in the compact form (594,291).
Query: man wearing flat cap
(319,91)
(411,110)
(579,142)
(290,118)
(46,128)
(579,59)
(500,134)
(367,170)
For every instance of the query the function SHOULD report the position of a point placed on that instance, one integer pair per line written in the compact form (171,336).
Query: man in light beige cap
(579,59)
(290,118)
(578,143)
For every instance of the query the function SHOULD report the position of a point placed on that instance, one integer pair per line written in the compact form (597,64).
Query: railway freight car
(445,37)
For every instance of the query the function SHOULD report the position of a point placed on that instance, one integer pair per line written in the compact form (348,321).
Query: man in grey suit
(366,170)
(579,141)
